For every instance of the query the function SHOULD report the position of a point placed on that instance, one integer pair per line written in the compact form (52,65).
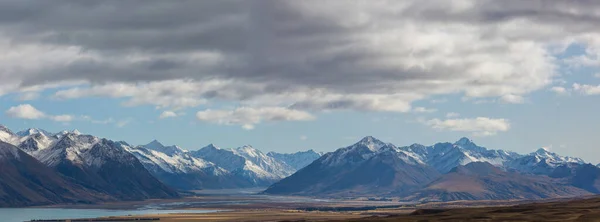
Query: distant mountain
(446,156)
(296,160)
(24,181)
(101,169)
(542,162)
(483,181)
(96,164)
(177,168)
(584,176)
(369,167)
(6,135)
(33,131)
(246,162)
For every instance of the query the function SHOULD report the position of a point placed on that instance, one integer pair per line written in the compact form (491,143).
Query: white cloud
(586,89)
(247,117)
(175,94)
(303,137)
(423,110)
(452,115)
(27,96)
(559,90)
(27,111)
(95,121)
(597,75)
(515,99)
(62,118)
(123,123)
(248,126)
(167,114)
(443,100)
(480,126)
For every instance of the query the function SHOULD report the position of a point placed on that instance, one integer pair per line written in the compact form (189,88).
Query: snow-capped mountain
(296,160)
(269,164)
(177,168)
(369,167)
(446,156)
(32,131)
(159,147)
(98,164)
(25,181)
(542,161)
(444,171)
(247,162)
(6,135)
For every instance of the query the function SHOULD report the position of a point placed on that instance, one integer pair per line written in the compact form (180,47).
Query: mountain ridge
(368,167)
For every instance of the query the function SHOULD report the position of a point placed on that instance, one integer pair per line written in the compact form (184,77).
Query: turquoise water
(26,214)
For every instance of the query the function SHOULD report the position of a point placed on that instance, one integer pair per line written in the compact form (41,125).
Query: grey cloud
(383,48)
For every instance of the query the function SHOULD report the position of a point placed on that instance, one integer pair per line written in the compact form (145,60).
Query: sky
(290,75)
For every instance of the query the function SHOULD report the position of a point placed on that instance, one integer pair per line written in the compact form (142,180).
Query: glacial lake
(26,214)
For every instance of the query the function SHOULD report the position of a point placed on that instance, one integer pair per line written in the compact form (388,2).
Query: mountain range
(441,172)
(115,170)
(70,167)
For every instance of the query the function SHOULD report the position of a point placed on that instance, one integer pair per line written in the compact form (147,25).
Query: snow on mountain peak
(76,132)
(157,146)
(372,143)
(154,144)
(544,153)
(32,131)
(6,135)
(464,141)
(542,150)
(6,130)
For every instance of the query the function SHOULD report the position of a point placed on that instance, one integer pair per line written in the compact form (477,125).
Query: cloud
(27,96)
(95,121)
(452,115)
(248,126)
(423,110)
(515,99)
(123,123)
(597,75)
(62,118)
(586,89)
(559,90)
(480,126)
(247,117)
(303,137)
(27,111)
(176,93)
(167,114)
(311,55)
(443,100)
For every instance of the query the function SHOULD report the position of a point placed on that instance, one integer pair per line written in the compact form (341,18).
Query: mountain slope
(250,164)
(483,181)
(542,162)
(96,164)
(178,169)
(369,167)
(584,176)
(446,156)
(25,181)
(296,160)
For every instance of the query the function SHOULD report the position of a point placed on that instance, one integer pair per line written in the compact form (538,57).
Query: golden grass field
(558,210)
